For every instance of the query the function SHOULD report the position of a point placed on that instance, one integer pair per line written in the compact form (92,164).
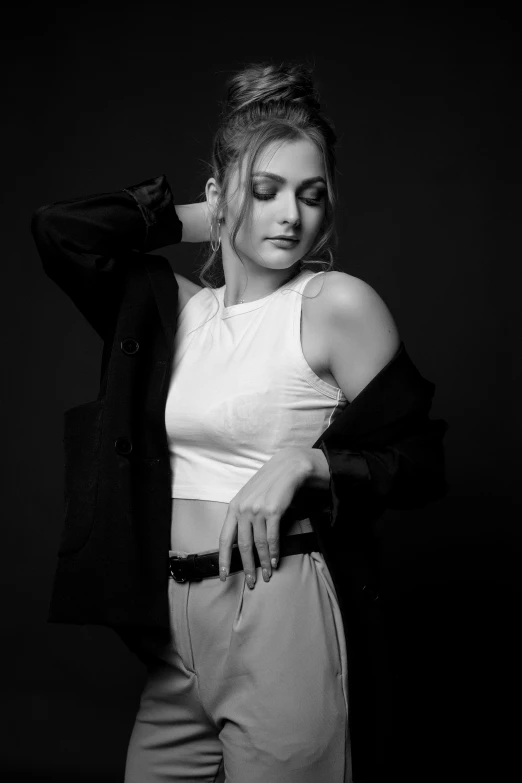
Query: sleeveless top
(241,390)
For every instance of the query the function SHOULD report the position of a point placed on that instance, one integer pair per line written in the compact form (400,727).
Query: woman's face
(289,193)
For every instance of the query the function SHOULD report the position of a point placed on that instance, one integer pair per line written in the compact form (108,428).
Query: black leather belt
(196,567)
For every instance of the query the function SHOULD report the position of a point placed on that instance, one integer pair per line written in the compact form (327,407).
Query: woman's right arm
(84,242)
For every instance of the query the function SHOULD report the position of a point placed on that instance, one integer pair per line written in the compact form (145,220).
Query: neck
(248,281)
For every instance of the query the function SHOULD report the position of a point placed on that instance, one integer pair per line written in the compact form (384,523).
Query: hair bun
(264,82)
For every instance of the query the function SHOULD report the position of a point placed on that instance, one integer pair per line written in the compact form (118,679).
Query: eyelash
(311,202)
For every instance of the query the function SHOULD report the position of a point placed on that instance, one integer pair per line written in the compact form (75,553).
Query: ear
(212,191)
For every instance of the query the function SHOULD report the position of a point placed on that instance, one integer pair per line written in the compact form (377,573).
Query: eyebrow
(277,178)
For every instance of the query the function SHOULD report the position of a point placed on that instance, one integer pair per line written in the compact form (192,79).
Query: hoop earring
(214,247)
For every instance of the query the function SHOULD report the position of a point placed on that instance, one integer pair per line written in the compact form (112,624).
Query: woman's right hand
(196,221)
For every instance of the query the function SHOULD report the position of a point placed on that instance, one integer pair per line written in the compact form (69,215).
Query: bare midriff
(196,524)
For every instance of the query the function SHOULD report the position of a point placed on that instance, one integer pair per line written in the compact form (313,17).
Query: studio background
(101,96)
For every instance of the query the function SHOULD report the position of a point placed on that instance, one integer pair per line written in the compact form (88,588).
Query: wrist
(311,466)
(153,198)
(196,221)
(318,474)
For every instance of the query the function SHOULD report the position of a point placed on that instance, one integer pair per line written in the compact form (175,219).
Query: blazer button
(123,445)
(130,346)
(369,594)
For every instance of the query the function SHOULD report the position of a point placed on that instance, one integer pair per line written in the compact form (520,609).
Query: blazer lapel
(166,293)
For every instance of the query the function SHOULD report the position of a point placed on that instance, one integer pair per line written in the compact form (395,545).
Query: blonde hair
(267,103)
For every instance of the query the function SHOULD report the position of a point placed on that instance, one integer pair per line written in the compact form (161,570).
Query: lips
(284,244)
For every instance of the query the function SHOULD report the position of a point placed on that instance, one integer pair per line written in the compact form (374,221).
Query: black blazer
(383,450)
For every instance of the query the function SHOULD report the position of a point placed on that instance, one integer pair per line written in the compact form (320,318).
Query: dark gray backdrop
(99,96)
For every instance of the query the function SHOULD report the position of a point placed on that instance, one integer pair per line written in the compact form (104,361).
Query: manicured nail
(223,573)
(266,575)
(274,562)
(250,581)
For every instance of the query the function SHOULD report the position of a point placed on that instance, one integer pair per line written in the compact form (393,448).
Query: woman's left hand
(254,514)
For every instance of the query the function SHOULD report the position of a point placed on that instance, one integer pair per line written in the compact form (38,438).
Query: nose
(290,210)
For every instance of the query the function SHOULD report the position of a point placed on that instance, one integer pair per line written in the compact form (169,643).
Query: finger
(273,536)
(261,544)
(245,543)
(226,540)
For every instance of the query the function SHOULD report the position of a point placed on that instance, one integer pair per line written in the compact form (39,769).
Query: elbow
(420,470)
(40,219)
(41,225)
(419,484)
(44,235)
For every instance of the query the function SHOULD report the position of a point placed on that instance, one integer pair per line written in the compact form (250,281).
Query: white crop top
(241,390)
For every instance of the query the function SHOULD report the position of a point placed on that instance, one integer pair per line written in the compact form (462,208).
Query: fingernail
(223,574)
(274,562)
(250,581)
(266,575)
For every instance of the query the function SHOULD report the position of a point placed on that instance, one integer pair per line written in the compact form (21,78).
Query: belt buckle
(175,573)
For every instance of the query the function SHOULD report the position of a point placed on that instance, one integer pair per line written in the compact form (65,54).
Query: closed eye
(311,202)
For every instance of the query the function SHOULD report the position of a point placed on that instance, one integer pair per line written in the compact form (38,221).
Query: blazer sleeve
(408,473)
(86,243)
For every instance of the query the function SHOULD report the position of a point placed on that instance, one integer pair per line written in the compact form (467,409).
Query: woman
(241,392)
(252,681)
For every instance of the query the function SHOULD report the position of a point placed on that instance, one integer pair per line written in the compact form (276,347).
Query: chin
(284,263)
(280,257)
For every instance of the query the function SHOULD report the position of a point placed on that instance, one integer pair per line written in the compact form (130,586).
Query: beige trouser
(252,686)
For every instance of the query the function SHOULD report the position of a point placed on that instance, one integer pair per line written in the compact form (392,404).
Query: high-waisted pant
(252,686)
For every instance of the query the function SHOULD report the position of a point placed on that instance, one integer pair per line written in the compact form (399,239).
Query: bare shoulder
(341,289)
(339,295)
(355,328)
(187,289)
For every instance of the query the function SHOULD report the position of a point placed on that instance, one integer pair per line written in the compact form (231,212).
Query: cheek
(247,234)
(255,228)
(314,222)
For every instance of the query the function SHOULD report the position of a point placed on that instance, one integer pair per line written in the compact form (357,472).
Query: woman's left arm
(363,338)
